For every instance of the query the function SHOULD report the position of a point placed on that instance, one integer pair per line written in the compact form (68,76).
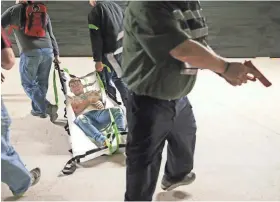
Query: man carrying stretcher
(91,115)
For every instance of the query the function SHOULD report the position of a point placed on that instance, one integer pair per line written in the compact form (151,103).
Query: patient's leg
(101,118)
(89,129)
(119,118)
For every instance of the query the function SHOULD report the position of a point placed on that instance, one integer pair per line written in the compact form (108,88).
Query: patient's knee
(81,119)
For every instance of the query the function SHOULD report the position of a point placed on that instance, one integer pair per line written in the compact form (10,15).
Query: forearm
(53,39)
(79,107)
(7,63)
(7,58)
(196,55)
(55,46)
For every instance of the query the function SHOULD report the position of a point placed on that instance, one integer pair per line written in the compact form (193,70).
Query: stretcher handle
(57,67)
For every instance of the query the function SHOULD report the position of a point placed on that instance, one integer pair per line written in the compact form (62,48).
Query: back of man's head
(92,2)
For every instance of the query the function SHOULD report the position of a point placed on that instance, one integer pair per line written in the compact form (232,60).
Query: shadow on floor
(118,159)
(60,122)
(14,95)
(53,138)
(16,100)
(14,198)
(172,196)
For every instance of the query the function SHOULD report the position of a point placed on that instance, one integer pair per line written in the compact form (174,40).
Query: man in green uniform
(164,46)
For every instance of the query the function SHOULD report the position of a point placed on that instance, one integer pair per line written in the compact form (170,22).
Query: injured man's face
(76,87)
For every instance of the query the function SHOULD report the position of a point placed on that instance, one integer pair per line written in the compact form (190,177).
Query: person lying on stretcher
(91,116)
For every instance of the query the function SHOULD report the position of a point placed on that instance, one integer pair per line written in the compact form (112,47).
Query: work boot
(52,112)
(43,116)
(35,176)
(170,185)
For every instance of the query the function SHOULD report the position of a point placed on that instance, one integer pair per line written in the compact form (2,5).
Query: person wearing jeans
(36,57)
(95,121)
(35,66)
(13,171)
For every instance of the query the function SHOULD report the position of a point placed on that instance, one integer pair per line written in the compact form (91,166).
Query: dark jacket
(105,24)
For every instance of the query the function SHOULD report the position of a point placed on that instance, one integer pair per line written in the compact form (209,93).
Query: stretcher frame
(89,150)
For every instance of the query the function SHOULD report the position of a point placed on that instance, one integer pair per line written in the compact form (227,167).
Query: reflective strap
(55,87)
(115,128)
(102,87)
(120,35)
(118,51)
(114,63)
(188,14)
(108,68)
(197,33)
(66,70)
(92,26)
(100,82)
(178,14)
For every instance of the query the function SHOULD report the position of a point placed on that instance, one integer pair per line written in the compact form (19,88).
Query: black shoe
(39,115)
(52,112)
(168,185)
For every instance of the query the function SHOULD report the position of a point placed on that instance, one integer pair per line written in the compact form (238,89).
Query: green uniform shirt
(151,32)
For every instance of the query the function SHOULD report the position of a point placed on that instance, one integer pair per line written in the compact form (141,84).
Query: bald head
(92,2)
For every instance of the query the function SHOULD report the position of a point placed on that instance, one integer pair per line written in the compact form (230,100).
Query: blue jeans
(13,171)
(35,66)
(111,80)
(93,121)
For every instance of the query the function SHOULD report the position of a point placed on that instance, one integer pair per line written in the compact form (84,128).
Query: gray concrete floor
(237,153)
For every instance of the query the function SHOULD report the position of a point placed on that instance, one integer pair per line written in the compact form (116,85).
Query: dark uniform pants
(111,80)
(150,123)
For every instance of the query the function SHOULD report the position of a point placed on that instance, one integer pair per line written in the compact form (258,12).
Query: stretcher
(83,148)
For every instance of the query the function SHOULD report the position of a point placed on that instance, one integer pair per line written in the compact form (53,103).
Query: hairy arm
(197,55)
(79,105)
